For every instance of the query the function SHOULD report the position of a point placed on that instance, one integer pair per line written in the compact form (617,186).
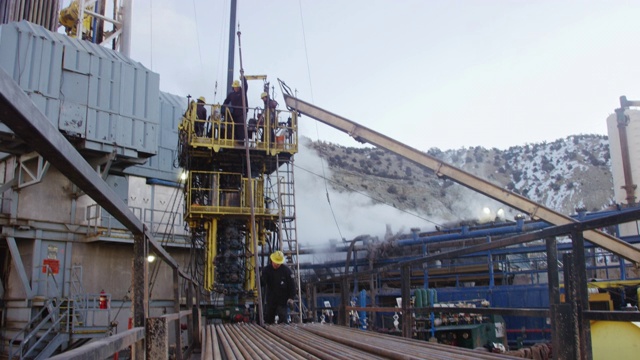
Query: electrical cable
(195,16)
(151,34)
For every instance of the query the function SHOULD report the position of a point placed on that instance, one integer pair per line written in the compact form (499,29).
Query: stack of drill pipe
(211,349)
(327,342)
(319,346)
(267,345)
(250,341)
(393,347)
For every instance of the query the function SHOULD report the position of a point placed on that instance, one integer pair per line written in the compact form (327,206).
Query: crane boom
(442,169)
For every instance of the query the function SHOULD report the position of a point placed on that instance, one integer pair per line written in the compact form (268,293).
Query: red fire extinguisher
(103,300)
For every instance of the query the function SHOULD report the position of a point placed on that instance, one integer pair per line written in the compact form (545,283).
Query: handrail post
(176,308)
(140,291)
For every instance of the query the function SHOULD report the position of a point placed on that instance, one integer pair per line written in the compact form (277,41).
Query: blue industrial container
(103,100)
(161,166)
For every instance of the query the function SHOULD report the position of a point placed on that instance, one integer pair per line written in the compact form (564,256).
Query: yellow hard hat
(277,257)
(201,98)
(264,95)
(236,83)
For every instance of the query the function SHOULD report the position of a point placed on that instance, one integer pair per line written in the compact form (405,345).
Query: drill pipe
(214,340)
(262,351)
(409,349)
(320,346)
(435,346)
(324,352)
(247,350)
(257,336)
(269,340)
(226,346)
(360,344)
(365,337)
(207,343)
(327,342)
(399,352)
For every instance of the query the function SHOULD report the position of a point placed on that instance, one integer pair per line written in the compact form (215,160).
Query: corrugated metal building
(110,107)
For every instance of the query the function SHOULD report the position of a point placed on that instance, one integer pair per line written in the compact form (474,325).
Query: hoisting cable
(195,16)
(254,237)
(151,34)
(326,188)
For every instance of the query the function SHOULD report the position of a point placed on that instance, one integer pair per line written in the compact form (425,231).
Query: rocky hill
(563,175)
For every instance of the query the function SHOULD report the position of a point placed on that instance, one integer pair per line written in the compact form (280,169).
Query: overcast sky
(444,74)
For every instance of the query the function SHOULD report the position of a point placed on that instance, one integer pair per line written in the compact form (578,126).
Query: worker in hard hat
(234,103)
(201,113)
(269,115)
(280,288)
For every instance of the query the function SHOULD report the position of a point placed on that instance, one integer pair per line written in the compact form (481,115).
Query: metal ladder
(288,232)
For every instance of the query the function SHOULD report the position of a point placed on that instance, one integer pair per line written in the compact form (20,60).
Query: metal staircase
(42,336)
(288,231)
(61,323)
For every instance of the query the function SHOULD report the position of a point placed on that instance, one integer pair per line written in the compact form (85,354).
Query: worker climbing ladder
(288,232)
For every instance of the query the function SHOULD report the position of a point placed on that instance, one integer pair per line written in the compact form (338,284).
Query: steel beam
(568,323)
(582,295)
(405,291)
(612,315)
(17,262)
(442,169)
(554,287)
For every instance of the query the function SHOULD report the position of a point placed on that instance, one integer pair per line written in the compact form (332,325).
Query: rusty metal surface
(322,341)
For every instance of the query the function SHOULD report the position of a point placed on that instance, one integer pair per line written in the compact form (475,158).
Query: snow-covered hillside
(367,189)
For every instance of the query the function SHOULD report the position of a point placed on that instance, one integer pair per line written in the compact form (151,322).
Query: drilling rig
(239,198)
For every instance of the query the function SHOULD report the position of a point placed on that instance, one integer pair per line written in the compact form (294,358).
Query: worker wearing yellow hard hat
(277,257)
(235,104)
(280,288)
(270,113)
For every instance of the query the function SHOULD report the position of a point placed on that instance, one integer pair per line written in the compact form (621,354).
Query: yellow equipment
(235,213)
(69,19)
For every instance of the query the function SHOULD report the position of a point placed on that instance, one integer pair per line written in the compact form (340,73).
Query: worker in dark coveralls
(280,288)
(201,113)
(234,103)
(269,115)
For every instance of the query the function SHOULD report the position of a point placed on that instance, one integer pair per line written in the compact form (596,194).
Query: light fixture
(151,258)
(184,175)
